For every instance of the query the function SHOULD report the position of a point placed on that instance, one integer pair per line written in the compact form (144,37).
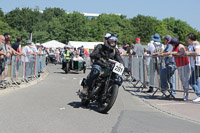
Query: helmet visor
(113,39)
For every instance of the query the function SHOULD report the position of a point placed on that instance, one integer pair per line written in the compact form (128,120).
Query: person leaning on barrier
(100,55)
(167,73)
(154,47)
(2,63)
(10,52)
(17,46)
(194,56)
(182,63)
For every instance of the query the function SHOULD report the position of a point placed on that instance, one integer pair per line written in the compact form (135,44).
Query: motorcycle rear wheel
(105,105)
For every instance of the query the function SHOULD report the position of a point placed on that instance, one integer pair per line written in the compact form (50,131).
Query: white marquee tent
(53,44)
(87,45)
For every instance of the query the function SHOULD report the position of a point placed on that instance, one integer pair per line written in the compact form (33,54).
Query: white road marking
(62,108)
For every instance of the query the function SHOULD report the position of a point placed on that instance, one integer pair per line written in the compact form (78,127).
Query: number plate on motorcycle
(118,69)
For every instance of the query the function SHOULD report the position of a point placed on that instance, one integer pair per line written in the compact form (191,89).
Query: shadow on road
(71,72)
(91,106)
(144,95)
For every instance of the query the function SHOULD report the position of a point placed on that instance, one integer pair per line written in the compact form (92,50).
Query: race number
(119,68)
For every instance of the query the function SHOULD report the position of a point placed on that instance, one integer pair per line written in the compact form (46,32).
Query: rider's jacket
(103,52)
(66,54)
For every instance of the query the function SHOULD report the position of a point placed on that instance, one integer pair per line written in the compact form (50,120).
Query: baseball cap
(174,41)
(137,39)
(167,37)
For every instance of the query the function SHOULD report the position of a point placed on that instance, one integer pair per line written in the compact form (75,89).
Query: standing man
(167,73)
(154,47)
(138,48)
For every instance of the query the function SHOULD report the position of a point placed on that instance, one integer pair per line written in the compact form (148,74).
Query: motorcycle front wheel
(106,102)
(67,68)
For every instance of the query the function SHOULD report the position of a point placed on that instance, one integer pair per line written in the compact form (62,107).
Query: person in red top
(182,63)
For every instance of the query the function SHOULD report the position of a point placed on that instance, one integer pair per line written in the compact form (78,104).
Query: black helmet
(110,40)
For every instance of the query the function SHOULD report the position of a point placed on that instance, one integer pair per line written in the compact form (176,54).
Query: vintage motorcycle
(104,89)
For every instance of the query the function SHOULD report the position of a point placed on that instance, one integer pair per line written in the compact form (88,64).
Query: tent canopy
(88,45)
(53,44)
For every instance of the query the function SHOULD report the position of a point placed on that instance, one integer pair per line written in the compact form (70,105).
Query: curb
(25,85)
(161,110)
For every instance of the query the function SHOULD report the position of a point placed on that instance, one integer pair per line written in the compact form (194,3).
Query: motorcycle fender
(118,80)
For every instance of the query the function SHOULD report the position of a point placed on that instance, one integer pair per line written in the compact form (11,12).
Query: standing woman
(182,63)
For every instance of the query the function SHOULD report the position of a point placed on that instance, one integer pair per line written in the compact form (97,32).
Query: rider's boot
(84,91)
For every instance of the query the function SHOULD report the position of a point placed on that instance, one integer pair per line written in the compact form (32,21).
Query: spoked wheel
(106,102)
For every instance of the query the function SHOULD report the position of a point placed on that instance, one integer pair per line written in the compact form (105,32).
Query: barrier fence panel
(19,68)
(181,75)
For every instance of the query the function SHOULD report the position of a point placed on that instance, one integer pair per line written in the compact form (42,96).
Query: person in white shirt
(28,54)
(194,51)
(154,48)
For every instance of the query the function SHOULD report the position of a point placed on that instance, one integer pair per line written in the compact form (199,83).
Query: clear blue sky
(185,10)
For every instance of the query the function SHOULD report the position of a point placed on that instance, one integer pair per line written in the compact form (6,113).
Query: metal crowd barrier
(148,70)
(22,69)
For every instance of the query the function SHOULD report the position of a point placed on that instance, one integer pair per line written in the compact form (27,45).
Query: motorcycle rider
(100,56)
(66,54)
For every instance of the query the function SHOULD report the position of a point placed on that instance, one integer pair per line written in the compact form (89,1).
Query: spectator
(35,49)
(154,48)
(121,50)
(182,64)
(9,51)
(51,51)
(2,63)
(57,53)
(194,50)
(17,46)
(167,73)
(28,52)
(126,48)
(132,49)
(138,48)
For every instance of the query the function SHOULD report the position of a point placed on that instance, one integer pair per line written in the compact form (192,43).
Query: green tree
(179,29)
(1,13)
(76,27)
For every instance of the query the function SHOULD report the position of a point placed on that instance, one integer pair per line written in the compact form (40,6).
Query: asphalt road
(52,106)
